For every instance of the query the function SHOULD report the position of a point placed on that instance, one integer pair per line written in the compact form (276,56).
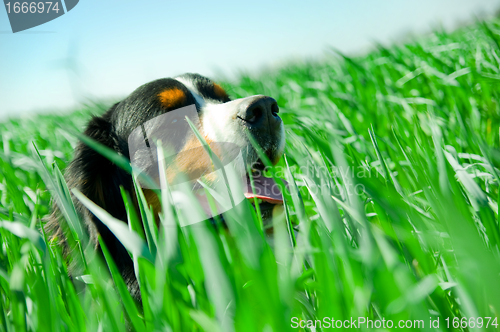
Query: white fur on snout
(220,122)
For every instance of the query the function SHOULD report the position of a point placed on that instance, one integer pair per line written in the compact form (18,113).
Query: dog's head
(157,111)
(220,120)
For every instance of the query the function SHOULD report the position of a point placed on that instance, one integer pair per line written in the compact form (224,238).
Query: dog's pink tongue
(265,189)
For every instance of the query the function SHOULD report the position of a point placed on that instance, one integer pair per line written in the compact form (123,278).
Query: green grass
(393,160)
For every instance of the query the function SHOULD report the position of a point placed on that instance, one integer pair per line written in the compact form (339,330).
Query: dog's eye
(174,120)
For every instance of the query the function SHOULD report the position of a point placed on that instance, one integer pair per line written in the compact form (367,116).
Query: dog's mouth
(264,188)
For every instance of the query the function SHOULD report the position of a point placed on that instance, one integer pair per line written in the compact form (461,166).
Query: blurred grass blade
(25,232)
(130,240)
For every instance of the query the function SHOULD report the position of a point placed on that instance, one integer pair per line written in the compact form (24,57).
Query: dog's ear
(98,178)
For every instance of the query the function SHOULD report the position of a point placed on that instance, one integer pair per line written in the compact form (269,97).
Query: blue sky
(119,45)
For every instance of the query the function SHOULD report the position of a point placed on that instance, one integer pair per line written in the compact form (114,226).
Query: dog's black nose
(260,112)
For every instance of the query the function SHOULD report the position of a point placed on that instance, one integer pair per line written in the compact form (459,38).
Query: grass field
(393,162)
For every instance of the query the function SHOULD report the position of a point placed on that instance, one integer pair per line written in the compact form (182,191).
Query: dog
(220,120)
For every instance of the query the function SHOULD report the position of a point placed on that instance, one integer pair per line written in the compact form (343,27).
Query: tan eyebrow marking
(170,98)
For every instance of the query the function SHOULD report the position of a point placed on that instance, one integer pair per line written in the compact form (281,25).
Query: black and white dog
(220,120)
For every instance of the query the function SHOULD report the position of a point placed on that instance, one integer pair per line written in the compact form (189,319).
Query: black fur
(205,87)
